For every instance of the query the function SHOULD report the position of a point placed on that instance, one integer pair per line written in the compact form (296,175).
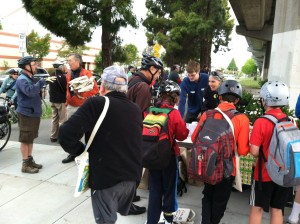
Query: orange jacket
(78,99)
(241,130)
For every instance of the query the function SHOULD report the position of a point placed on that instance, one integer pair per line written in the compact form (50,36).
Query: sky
(15,19)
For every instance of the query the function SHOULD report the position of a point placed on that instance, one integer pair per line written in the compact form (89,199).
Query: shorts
(270,195)
(107,202)
(29,128)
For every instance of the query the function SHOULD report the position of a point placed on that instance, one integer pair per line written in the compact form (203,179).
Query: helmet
(230,87)
(175,67)
(275,93)
(169,86)
(57,63)
(22,62)
(149,60)
(12,71)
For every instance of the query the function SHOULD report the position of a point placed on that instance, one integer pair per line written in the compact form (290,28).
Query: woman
(211,97)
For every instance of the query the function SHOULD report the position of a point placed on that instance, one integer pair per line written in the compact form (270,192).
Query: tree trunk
(106,49)
(205,51)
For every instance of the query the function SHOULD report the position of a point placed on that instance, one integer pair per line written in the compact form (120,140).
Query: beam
(265,34)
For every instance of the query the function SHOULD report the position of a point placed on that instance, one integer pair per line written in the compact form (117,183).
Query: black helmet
(149,60)
(169,86)
(230,87)
(57,63)
(12,71)
(22,62)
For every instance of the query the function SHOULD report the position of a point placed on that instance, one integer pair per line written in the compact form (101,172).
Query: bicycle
(5,126)
(12,114)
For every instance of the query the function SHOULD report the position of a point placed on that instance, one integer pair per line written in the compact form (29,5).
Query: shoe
(53,139)
(26,168)
(33,164)
(136,210)
(69,159)
(136,198)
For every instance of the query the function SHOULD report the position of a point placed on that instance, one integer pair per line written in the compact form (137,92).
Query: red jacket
(78,100)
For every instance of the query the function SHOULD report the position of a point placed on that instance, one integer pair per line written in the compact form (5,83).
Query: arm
(241,131)
(182,100)
(14,96)
(297,109)
(28,88)
(197,129)
(180,130)
(143,96)
(3,86)
(254,150)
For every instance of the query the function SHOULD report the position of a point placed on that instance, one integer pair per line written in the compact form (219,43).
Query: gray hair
(115,87)
(77,57)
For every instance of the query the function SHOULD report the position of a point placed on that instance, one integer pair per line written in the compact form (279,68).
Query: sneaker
(69,159)
(291,222)
(33,164)
(136,210)
(27,168)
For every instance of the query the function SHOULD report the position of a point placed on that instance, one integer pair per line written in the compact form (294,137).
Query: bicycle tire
(5,131)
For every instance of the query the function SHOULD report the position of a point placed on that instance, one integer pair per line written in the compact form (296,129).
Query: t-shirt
(261,135)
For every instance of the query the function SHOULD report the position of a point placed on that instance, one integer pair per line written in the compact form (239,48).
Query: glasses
(34,64)
(15,74)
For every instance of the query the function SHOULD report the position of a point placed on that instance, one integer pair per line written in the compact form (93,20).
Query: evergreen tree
(232,66)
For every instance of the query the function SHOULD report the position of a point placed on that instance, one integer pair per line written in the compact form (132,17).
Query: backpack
(212,151)
(182,177)
(157,148)
(284,152)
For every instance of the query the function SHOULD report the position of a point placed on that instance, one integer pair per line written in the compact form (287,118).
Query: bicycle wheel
(5,130)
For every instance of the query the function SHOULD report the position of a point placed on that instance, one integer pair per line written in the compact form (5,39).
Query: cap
(112,72)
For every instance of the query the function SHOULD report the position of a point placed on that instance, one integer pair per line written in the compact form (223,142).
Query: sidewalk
(47,197)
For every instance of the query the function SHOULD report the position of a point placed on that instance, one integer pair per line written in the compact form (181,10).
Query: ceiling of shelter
(255,18)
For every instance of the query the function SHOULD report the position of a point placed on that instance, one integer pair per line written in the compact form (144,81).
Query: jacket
(57,89)
(140,93)
(194,92)
(29,99)
(211,99)
(297,109)
(241,130)
(9,88)
(115,154)
(77,100)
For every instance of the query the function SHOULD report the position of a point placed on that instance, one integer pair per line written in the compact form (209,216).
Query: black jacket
(57,89)
(116,151)
(211,99)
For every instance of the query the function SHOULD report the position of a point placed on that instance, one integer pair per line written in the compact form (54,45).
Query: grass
(47,112)
(249,83)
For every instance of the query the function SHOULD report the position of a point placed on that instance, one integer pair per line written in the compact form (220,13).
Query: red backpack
(212,151)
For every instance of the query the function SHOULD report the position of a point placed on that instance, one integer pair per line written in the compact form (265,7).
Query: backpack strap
(11,85)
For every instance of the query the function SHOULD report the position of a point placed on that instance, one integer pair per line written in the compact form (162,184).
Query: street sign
(22,42)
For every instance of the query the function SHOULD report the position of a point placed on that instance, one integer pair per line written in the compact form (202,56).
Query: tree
(187,29)
(37,46)
(232,65)
(75,20)
(66,49)
(131,53)
(249,67)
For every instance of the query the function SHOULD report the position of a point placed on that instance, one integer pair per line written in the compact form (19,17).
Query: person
(192,89)
(215,197)
(174,76)
(204,69)
(139,91)
(297,109)
(57,94)
(29,111)
(265,194)
(211,97)
(74,98)
(115,154)
(9,87)
(131,69)
(162,183)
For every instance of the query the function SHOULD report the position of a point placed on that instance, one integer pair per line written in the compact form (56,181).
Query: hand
(11,102)
(51,79)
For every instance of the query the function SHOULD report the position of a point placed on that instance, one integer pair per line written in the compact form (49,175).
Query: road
(44,133)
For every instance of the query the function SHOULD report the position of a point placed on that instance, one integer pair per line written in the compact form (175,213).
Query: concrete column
(285,51)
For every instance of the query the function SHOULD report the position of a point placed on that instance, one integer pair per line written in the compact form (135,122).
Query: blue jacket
(297,109)
(194,91)
(29,99)
(9,88)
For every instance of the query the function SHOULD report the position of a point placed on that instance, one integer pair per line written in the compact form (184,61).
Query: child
(163,183)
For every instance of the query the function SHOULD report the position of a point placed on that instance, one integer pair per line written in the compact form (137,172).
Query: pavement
(47,197)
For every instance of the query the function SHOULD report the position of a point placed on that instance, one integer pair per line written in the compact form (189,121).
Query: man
(192,89)
(139,91)
(9,86)
(265,194)
(29,111)
(115,154)
(57,92)
(215,197)
(174,76)
(75,98)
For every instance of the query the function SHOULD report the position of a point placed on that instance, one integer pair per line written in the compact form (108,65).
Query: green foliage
(252,107)
(66,49)
(249,67)
(232,65)
(37,46)
(1,26)
(5,64)
(250,83)
(98,61)
(75,20)
(131,54)
(187,29)
(262,82)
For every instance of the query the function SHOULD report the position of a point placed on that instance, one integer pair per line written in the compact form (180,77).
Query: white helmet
(57,63)
(275,93)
